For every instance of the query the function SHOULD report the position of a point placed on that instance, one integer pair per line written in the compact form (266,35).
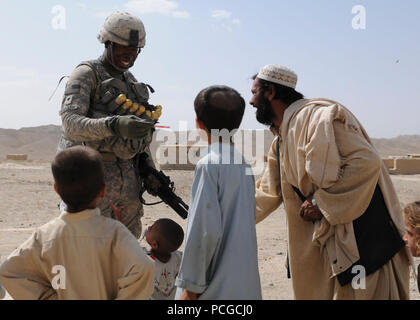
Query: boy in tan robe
(327,156)
(80,254)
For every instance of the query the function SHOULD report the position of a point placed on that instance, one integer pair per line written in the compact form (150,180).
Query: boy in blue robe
(220,255)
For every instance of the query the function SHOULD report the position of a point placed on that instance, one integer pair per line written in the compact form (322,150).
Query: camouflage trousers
(122,187)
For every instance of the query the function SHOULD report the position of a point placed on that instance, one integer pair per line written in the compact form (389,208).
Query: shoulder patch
(72,108)
(73,87)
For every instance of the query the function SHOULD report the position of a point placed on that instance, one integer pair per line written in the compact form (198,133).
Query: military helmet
(124,29)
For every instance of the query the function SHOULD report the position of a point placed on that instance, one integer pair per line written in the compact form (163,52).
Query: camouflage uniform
(89,99)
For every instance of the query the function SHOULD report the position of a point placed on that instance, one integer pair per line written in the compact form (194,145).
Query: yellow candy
(155,115)
(134,108)
(128,103)
(159,107)
(148,113)
(141,110)
(121,98)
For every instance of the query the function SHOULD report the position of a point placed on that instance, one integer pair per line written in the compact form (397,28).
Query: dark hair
(170,233)
(286,94)
(79,175)
(219,107)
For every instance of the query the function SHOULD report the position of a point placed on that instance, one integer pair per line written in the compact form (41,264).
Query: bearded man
(344,223)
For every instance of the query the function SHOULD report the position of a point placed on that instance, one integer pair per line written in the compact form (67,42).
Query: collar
(288,114)
(217,145)
(80,216)
(221,148)
(109,67)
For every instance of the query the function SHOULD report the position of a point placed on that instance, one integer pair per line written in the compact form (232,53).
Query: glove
(129,126)
(152,184)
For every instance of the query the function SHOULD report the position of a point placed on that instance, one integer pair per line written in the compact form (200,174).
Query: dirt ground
(28,201)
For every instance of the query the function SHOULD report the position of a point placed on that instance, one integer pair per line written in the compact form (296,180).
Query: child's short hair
(219,107)
(170,233)
(411,214)
(79,176)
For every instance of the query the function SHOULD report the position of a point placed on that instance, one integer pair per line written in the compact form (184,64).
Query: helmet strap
(111,60)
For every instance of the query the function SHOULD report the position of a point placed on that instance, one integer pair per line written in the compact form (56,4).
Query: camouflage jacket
(89,99)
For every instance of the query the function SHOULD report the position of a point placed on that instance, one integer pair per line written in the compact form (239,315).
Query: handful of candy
(151,111)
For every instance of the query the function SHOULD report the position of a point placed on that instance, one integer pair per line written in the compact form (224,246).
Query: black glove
(151,184)
(129,126)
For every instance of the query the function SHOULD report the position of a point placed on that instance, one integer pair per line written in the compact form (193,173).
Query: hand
(152,184)
(188,295)
(131,127)
(117,211)
(309,212)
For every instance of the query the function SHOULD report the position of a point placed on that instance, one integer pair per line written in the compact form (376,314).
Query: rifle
(162,186)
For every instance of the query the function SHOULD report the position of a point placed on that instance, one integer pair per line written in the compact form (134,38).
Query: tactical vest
(103,101)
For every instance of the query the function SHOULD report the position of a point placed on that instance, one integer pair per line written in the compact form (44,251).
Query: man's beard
(264,113)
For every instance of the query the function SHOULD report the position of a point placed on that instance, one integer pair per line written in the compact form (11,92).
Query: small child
(220,255)
(80,254)
(164,237)
(412,231)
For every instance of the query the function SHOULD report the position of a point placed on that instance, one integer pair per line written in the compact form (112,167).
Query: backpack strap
(91,65)
(301,196)
(289,275)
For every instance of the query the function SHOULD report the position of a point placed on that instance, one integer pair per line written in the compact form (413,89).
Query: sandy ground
(28,201)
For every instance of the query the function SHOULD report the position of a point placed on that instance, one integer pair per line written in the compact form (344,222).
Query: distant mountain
(40,143)
(399,146)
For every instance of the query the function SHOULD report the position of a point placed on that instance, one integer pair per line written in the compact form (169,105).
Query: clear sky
(191,44)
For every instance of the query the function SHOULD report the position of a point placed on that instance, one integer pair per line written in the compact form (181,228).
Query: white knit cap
(278,74)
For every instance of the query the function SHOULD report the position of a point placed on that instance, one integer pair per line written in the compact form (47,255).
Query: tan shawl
(325,152)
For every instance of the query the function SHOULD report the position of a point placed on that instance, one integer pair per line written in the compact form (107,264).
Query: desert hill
(40,143)
(399,146)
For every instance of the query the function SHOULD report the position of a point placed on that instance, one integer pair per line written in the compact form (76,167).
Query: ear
(271,93)
(154,245)
(202,130)
(200,125)
(55,188)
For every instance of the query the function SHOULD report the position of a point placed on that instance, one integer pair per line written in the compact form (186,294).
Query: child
(220,255)
(412,231)
(164,237)
(80,254)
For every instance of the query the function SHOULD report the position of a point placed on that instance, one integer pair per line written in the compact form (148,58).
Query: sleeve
(123,148)
(345,198)
(204,231)
(22,276)
(135,268)
(75,106)
(268,190)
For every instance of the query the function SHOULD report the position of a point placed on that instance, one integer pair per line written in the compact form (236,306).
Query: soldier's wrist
(112,124)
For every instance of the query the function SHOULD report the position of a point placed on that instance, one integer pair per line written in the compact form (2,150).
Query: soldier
(93,114)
